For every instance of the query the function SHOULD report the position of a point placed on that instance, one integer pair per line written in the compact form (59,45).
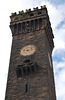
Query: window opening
(19,27)
(18,72)
(40,23)
(28,26)
(27,61)
(32,68)
(24,71)
(39,13)
(32,25)
(23,27)
(36,24)
(31,14)
(26,88)
(15,28)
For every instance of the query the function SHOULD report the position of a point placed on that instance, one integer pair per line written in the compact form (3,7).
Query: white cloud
(59,51)
(60,78)
(59,33)
(57,14)
(59,40)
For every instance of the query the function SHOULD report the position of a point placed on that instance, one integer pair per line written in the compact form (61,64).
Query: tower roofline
(28,14)
(31,21)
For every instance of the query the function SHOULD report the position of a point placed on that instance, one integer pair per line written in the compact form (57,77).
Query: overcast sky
(56,11)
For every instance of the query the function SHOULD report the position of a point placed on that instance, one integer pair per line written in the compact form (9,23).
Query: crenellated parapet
(28,21)
(28,14)
(31,21)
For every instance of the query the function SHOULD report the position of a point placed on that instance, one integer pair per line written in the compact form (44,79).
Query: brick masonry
(40,84)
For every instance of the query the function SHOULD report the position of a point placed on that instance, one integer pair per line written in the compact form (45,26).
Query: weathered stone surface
(38,85)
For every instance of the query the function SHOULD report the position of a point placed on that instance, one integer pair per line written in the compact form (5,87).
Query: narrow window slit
(26,88)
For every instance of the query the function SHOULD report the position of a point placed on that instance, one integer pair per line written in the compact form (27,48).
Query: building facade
(30,75)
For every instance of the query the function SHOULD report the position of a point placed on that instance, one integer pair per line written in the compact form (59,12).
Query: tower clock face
(28,50)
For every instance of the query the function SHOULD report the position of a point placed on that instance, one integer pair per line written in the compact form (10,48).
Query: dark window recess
(23,27)
(32,25)
(28,26)
(31,14)
(24,71)
(27,61)
(32,68)
(18,71)
(36,24)
(26,88)
(28,69)
(39,13)
(40,23)
(19,28)
(15,28)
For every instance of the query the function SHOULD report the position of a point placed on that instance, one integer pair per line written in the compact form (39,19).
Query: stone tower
(30,75)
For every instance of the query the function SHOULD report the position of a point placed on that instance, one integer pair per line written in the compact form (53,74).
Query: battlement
(31,21)
(28,14)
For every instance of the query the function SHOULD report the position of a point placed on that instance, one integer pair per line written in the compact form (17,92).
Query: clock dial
(28,50)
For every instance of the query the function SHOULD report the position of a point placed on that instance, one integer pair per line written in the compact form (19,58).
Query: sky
(56,11)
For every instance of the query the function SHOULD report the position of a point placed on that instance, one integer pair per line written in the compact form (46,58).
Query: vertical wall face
(30,74)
